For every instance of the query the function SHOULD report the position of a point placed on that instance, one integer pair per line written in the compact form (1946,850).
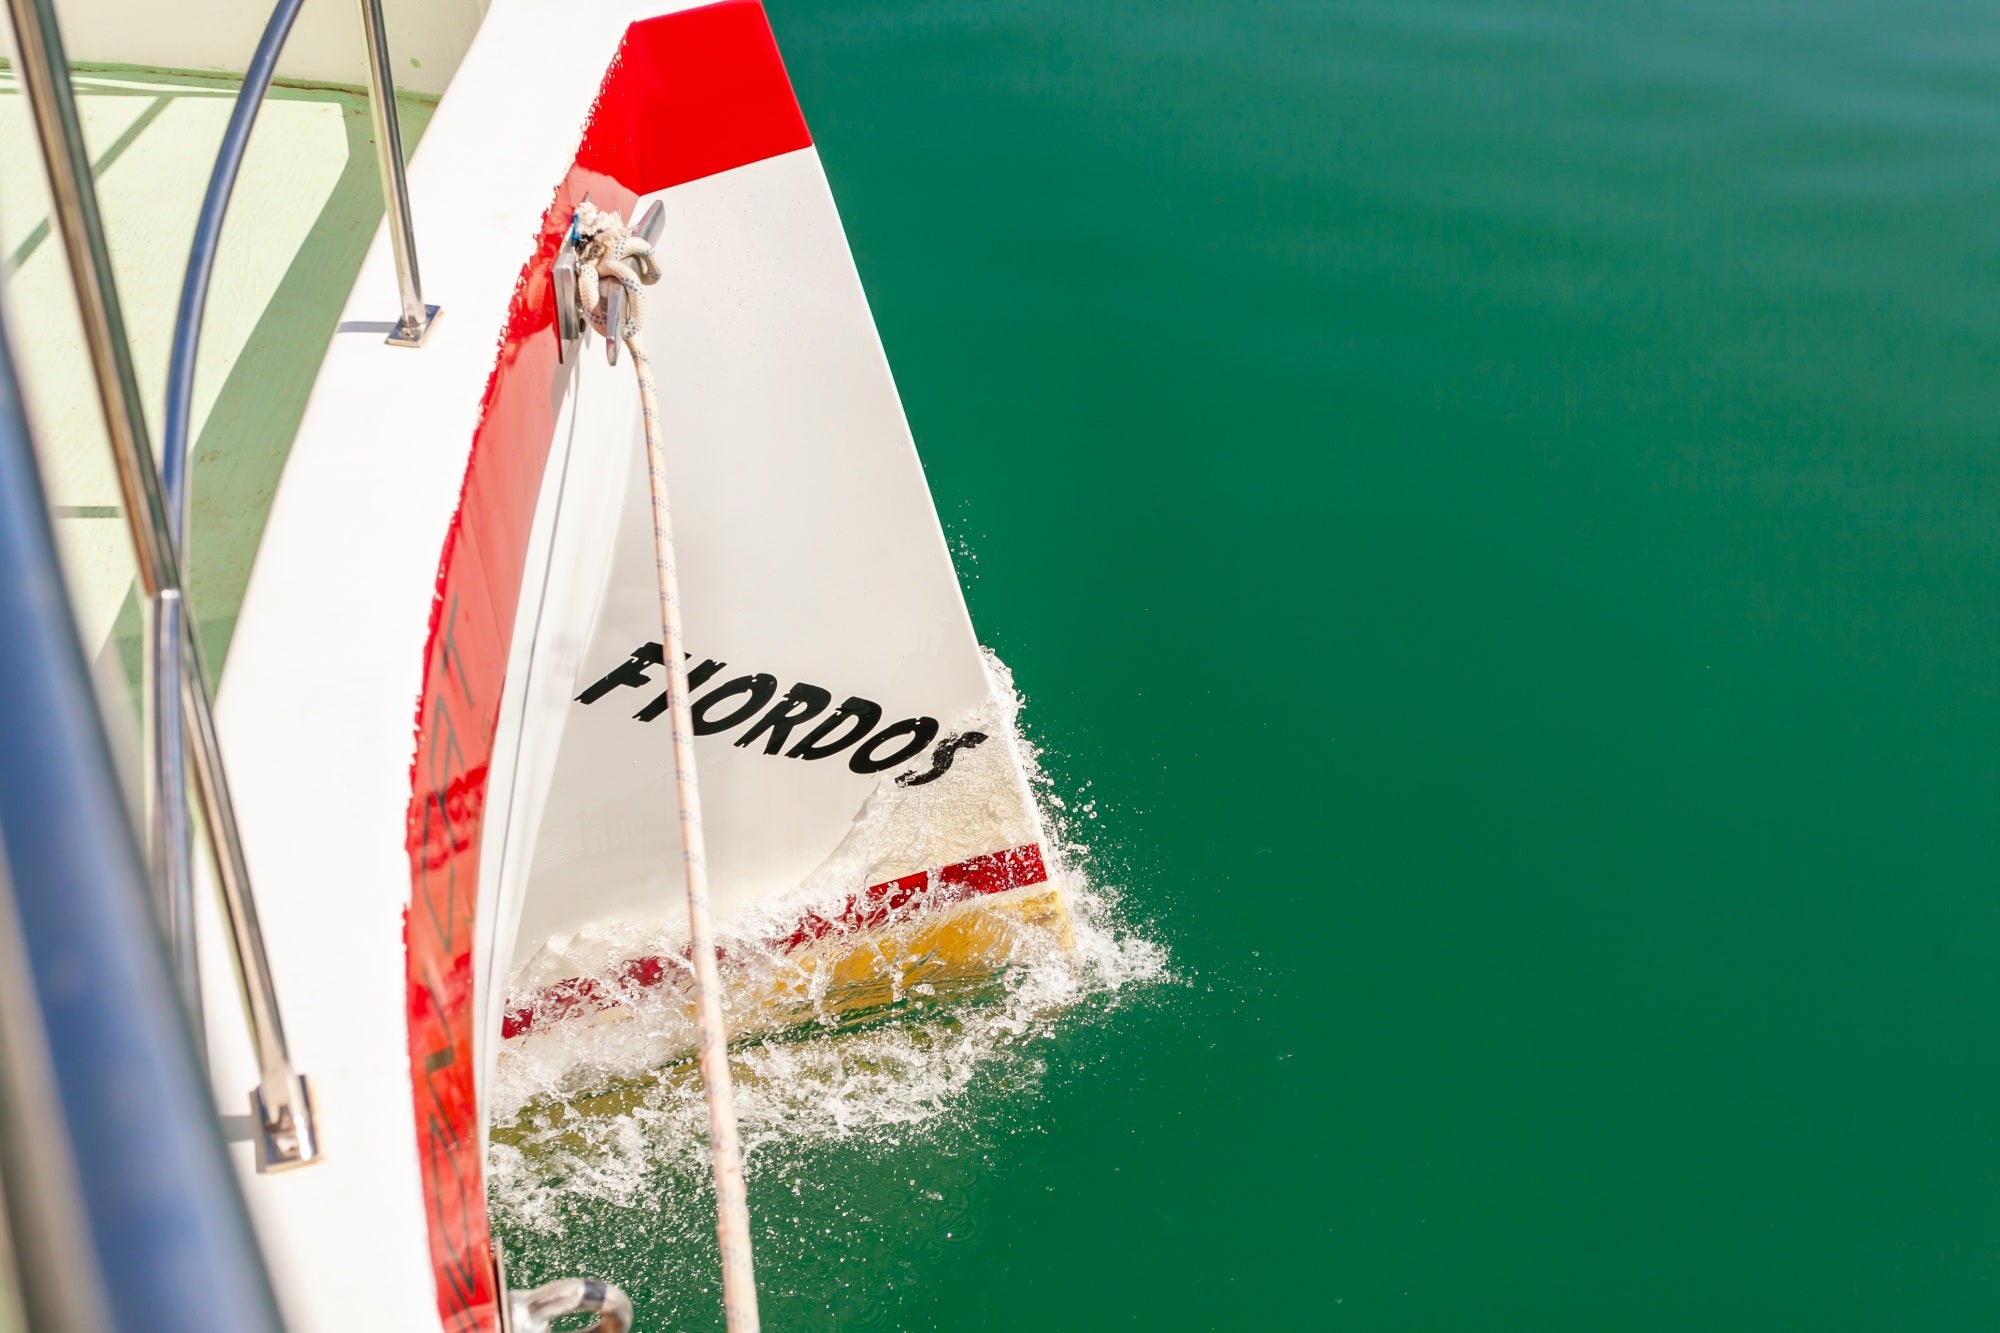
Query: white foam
(906,1072)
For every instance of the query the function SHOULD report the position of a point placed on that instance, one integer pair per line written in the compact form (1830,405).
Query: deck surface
(305,208)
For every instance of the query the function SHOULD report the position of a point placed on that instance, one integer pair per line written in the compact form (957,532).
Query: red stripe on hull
(689,95)
(874,907)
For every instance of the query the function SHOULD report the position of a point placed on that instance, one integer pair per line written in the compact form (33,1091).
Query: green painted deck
(305,209)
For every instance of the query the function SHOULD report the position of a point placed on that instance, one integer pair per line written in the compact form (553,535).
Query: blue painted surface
(173,1242)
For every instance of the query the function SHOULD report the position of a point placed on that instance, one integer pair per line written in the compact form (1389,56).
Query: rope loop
(608,252)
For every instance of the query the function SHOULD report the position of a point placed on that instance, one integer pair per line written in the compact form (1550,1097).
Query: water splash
(600,1146)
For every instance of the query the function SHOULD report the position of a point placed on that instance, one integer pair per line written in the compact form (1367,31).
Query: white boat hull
(437,703)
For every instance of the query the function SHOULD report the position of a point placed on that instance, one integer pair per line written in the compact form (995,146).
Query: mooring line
(610,257)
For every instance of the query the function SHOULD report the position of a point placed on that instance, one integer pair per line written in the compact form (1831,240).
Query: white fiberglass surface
(569,550)
(427,38)
(810,560)
(317,704)
(808,551)
(305,203)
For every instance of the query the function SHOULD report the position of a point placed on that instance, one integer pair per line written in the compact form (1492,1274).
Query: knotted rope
(603,245)
(608,253)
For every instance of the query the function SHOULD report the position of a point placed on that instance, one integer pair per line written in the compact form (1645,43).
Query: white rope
(605,247)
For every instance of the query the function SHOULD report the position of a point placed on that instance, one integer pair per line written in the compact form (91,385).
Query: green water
(1499,503)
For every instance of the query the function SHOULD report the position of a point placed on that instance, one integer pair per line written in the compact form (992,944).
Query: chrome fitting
(533,1311)
(287,1133)
(407,334)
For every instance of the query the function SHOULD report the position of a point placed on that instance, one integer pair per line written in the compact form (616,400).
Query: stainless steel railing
(414,325)
(177,461)
(180,721)
(118,1191)
(281,1102)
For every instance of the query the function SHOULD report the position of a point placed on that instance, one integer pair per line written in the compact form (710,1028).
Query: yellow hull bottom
(838,983)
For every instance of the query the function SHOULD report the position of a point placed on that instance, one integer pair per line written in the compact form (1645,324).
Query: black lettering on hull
(802,701)
(632,671)
(947,750)
(821,742)
(850,727)
(696,679)
(918,730)
(757,691)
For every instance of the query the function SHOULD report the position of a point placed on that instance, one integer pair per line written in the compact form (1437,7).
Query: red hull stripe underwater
(874,907)
(689,95)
